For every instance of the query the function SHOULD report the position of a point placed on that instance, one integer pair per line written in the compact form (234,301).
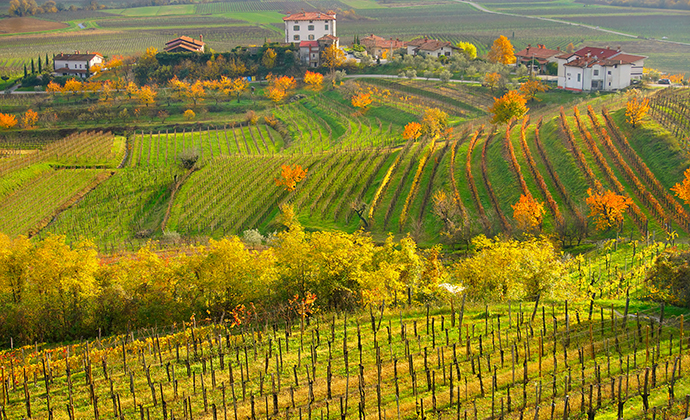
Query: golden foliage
(412,131)
(511,105)
(146,95)
(502,51)
(607,208)
(7,121)
(189,115)
(635,109)
(361,100)
(53,87)
(268,59)
(29,119)
(290,176)
(279,87)
(682,189)
(332,57)
(73,85)
(434,122)
(313,80)
(469,49)
(531,87)
(528,213)
(492,80)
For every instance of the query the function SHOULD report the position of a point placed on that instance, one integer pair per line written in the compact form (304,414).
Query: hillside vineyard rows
(507,361)
(137,188)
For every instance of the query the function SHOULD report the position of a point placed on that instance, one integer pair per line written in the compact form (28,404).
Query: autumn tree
(234,87)
(29,119)
(7,121)
(469,49)
(607,208)
(146,95)
(682,189)
(493,80)
(196,92)
(268,59)
(528,213)
(73,85)
(530,88)
(189,115)
(570,48)
(53,88)
(107,91)
(361,101)
(510,105)
(412,131)
(279,88)
(434,122)
(502,51)
(290,176)
(456,228)
(635,109)
(332,57)
(313,80)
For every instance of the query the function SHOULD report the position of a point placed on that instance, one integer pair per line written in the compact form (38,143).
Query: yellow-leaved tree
(502,51)
(511,105)
(7,121)
(146,95)
(531,87)
(528,213)
(434,122)
(313,80)
(332,57)
(268,59)
(469,49)
(492,80)
(607,208)
(635,109)
(279,87)
(361,101)
(29,119)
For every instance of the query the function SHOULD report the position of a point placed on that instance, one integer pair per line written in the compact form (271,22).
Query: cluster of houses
(589,68)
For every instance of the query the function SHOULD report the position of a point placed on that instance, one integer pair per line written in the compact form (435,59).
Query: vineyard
(514,360)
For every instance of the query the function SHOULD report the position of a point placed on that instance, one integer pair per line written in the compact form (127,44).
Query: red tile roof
(310,16)
(538,53)
(628,58)
(598,52)
(77,57)
(184,43)
(309,44)
(381,42)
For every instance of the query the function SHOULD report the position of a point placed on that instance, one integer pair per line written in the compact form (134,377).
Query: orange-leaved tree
(146,95)
(234,86)
(332,57)
(635,109)
(510,105)
(676,78)
(53,88)
(196,92)
(279,87)
(531,87)
(7,120)
(528,213)
(502,51)
(607,208)
(290,176)
(73,85)
(29,119)
(682,189)
(412,131)
(361,101)
(313,80)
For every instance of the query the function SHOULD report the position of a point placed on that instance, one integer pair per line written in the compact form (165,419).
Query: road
(393,76)
(564,22)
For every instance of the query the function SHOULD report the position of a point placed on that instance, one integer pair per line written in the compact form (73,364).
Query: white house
(308,26)
(432,47)
(75,64)
(310,51)
(593,68)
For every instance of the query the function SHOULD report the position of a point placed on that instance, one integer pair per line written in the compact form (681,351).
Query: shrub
(669,278)
(188,158)
(189,115)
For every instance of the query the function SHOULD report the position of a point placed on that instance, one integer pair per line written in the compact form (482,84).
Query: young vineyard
(514,360)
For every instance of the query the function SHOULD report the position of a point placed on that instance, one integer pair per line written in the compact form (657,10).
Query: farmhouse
(432,47)
(185,44)
(380,47)
(539,57)
(310,51)
(308,26)
(76,64)
(593,68)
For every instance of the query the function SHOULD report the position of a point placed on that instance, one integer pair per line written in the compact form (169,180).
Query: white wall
(301,29)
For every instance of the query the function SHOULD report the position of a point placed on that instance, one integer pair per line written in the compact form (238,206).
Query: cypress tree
(25,73)
(46,63)
(39,65)
(33,67)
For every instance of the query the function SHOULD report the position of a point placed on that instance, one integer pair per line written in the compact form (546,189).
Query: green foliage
(669,278)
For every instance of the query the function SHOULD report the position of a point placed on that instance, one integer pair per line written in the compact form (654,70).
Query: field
(17,25)
(519,360)
(229,24)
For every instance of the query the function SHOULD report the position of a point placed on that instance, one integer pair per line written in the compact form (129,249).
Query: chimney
(201,37)
(558,48)
(618,49)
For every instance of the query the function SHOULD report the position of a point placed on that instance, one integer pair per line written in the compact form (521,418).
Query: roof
(381,42)
(77,57)
(310,16)
(540,52)
(309,44)
(184,43)
(597,52)
(629,58)
(606,62)
(329,37)
(582,62)
(433,45)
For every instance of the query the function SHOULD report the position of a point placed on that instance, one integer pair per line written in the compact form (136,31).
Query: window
(310,27)
(311,37)
(296,27)
(326,27)
(596,72)
(609,72)
(296,38)
(578,77)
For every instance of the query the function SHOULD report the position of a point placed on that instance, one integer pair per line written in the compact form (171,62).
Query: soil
(27,24)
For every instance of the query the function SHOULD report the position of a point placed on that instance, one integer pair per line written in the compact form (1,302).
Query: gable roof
(541,52)
(373,41)
(598,52)
(184,43)
(310,16)
(629,58)
(77,57)
(304,44)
